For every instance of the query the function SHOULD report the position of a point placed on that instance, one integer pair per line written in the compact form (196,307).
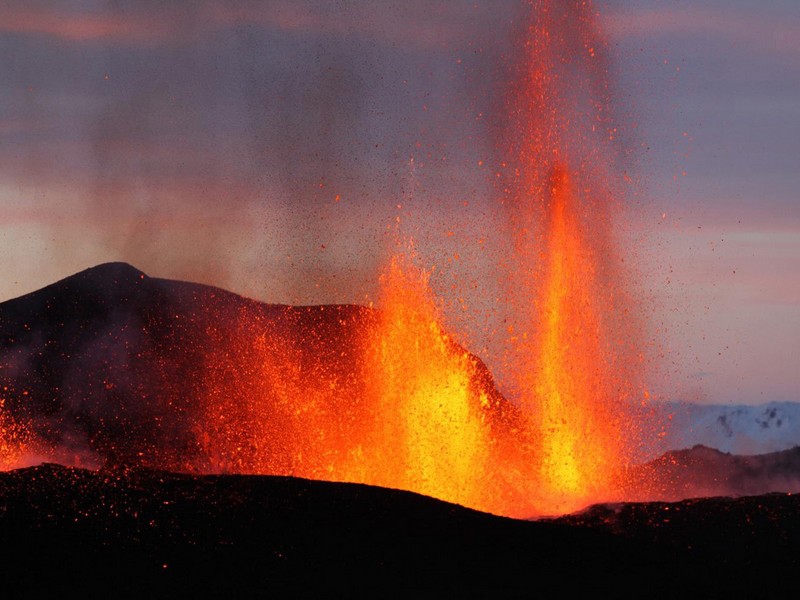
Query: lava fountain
(383,397)
(12,440)
(221,384)
(423,384)
(576,365)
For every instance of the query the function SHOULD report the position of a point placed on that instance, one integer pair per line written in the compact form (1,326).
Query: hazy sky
(270,147)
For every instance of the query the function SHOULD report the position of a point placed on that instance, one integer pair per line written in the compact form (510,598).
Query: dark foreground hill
(143,533)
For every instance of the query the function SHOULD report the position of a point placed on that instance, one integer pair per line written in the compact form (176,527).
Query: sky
(277,148)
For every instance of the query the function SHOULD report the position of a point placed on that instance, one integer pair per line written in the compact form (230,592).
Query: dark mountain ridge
(112,366)
(701,471)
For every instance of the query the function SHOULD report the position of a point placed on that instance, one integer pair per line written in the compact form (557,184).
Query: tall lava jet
(576,365)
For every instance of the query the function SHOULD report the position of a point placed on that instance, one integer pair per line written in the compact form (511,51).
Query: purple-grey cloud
(759,31)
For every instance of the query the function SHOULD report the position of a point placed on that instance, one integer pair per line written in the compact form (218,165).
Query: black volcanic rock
(118,533)
(140,532)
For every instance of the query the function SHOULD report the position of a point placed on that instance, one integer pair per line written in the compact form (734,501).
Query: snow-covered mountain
(738,429)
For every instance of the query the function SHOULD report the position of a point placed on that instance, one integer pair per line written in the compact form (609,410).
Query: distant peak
(107,276)
(112,271)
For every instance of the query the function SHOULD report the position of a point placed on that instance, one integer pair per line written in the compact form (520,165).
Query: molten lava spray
(12,444)
(351,394)
(574,341)
(386,397)
(571,378)
(423,383)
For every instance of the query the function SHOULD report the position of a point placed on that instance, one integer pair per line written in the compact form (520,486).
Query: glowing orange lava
(352,394)
(581,435)
(13,441)
(434,435)
(401,405)
(386,397)
(576,364)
